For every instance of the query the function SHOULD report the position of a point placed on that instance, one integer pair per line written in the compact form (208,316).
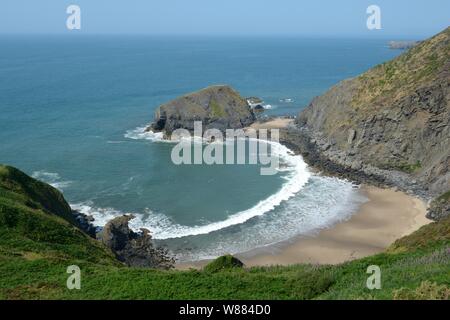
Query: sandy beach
(385,217)
(277,123)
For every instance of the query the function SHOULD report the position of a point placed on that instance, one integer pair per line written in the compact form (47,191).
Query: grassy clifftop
(36,223)
(423,64)
(38,244)
(16,185)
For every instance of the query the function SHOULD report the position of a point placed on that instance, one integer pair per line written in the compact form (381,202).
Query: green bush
(309,284)
(223,263)
(426,291)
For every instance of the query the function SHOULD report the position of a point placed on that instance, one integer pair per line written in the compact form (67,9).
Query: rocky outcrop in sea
(132,248)
(219,107)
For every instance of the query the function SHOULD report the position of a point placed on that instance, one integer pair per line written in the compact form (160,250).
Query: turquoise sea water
(70,106)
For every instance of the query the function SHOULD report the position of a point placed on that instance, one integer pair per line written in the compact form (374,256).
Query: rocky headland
(389,126)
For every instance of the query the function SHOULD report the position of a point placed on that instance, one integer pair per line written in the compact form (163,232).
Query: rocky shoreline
(322,155)
(389,126)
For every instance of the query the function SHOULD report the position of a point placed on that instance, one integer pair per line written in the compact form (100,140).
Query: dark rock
(439,207)
(85,223)
(134,249)
(258,108)
(335,162)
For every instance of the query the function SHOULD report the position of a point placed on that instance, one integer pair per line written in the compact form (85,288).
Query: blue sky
(316,18)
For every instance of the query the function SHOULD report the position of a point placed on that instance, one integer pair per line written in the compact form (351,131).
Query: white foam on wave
(103,215)
(297,178)
(163,228)
(52,179)
(287,100)
(142,133)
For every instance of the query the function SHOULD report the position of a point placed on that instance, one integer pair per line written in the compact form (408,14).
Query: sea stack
(219,107)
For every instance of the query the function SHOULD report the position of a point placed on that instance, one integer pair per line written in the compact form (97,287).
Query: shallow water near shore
(72,111)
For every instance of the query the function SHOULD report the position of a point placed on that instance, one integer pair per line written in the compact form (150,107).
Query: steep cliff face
(218,107)
(395,116)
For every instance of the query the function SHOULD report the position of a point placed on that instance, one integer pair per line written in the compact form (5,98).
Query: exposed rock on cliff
(135,249)
(218,107)
(440,207)
(392,122)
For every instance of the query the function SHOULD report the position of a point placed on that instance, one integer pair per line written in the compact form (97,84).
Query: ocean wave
(104,215)
(164,228)
(52,179)
(141,133)
(287,100)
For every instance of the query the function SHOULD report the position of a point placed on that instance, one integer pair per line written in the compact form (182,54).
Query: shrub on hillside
(223,263)
(426,291)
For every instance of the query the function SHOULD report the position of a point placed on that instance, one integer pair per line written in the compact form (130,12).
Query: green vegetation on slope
(444,197)
(399,77)
(217,110)
(37,246)
(35,194)
(36,223)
